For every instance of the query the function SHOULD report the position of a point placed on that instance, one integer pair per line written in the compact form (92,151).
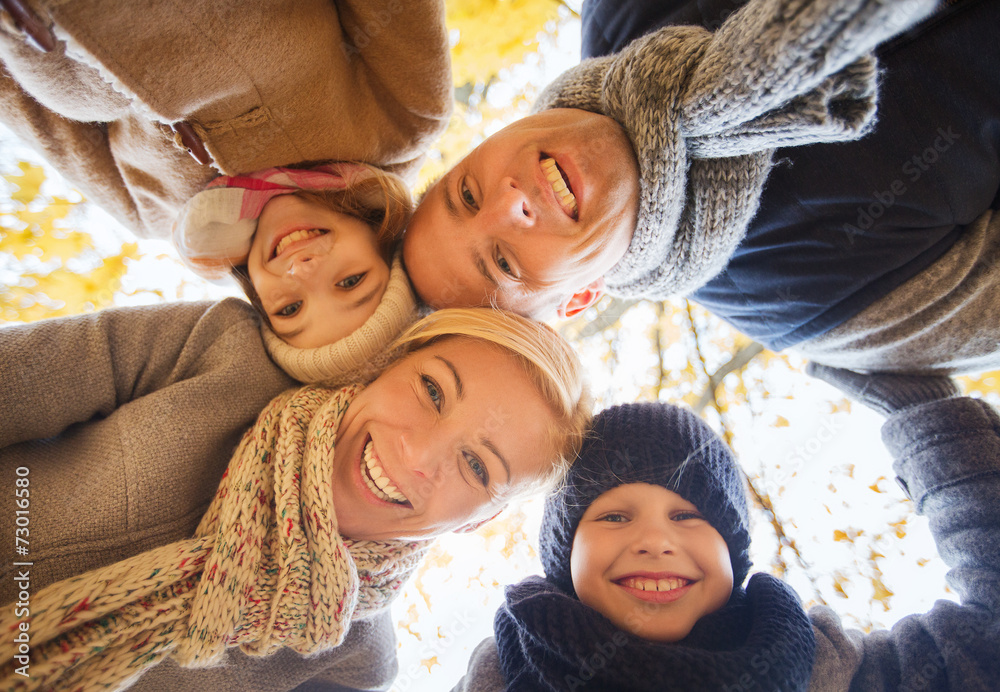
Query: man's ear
(582,299)
(474,525)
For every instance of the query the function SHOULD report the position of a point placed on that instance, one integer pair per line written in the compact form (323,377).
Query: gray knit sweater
(704,112)
(125,420)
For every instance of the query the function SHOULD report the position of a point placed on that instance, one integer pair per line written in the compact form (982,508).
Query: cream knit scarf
(265,569)
(704,112)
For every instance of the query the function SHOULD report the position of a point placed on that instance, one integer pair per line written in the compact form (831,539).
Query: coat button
(190,140)
(37,32)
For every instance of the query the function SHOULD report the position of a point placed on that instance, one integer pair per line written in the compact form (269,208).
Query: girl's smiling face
(318,273)
(441,440)
(646,559)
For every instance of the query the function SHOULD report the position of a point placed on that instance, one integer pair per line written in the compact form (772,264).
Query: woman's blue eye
(479,469)
(289,309)
(467,196)
(433,391)
(352,281)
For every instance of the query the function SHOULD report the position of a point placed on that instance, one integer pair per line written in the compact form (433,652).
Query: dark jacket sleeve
(947,454)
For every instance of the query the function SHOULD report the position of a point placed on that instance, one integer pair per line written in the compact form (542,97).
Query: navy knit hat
(652,443)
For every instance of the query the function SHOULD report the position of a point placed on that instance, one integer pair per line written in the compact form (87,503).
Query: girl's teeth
(375,478)
(566,198)
(295,236)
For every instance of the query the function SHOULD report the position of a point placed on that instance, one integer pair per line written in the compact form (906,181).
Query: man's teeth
(555,177)
(376,480)
(644,584)
(297,235)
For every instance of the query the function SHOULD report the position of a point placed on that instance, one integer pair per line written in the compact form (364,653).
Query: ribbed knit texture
(704,112)
(548,641)
(360,356)
(265,569)
(653,443)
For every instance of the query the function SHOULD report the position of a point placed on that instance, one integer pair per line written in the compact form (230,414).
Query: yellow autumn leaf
(430,662)
(28,183)
(881,593)
(839,535)
(780,422)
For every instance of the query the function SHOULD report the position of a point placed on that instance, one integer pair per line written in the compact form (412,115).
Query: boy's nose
(653,540)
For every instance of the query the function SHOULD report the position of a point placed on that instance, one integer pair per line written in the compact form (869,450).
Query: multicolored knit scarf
(266,568)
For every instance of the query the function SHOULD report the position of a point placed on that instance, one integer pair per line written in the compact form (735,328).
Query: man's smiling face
(530,219)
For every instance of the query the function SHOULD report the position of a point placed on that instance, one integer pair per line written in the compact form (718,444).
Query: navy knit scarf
(548,640)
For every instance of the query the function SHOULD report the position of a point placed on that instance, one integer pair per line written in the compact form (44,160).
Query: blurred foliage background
(827,516)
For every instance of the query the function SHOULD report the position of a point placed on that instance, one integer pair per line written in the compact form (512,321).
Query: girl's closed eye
(434,392)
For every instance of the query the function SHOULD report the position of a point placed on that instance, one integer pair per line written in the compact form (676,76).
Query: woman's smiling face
(442,439)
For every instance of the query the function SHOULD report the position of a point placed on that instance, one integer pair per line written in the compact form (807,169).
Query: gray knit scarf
(704,112)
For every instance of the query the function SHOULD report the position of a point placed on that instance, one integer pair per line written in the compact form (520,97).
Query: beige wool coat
(259,82)
(123,422)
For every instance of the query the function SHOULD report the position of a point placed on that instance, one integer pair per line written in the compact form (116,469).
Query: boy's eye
(289,309)
(467,196)
(433,391)
(478,468)
(352,281)
(683,516)
(613,518)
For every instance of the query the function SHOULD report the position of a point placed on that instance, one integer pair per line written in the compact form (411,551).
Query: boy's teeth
(297,235)
(376,480)
(559,185)
(644,584)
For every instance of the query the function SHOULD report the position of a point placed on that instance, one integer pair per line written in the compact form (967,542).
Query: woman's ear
(582,299)
(474,525)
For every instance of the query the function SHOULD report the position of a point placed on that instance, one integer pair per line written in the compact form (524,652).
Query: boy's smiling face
(646,559)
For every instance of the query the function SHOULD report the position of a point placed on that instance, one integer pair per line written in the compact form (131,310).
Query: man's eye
(467,196)
(289,309)
(352,281)
(433,391)
(478,468)
(505,267)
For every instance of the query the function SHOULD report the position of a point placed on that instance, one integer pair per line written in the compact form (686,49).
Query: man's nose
(514,205)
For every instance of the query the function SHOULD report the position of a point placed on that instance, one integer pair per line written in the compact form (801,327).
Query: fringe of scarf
(266,568)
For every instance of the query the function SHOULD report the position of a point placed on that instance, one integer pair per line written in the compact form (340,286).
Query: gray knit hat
(704,112)
(361,355)
(649,443)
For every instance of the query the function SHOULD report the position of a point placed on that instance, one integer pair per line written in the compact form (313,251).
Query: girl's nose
(302,266)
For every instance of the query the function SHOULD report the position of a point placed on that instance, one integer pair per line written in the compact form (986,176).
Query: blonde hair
(546,357)
(381,200)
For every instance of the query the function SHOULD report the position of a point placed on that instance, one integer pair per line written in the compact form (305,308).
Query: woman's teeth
(295,236)
(376,480)
(560,186)
(644,584)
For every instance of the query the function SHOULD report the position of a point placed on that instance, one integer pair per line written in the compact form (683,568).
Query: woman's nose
(421,453)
